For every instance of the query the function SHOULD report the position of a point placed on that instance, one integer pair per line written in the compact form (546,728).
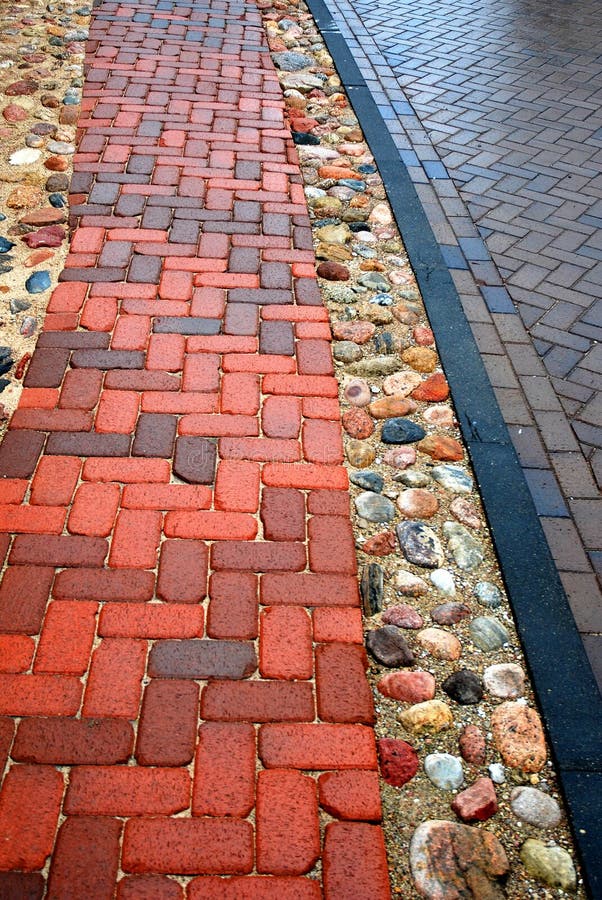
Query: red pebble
(398,761)
(477,803)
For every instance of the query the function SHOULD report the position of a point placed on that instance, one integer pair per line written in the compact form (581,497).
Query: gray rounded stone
(488,634)
(412,479)
(453,479)
(370,481)
(444,771)
(534,807)
(374,507)
(466,551)
(488,594)
(420,545)
(375,281)
(346,351)
(443,580)
(290,61)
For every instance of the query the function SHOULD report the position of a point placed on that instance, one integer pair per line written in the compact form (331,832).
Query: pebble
(449,613)
(61,147)
(466,551)
(28,326)
(423,335)
(391,407)
(408,687)
(411,478)
(360,454)
(357,422)
(410,585)
(398,761)
(371,589)
(380,544)
(17,306)
(431,716)
(440,644)
(402,383)
(403,616)
(6,245)
(389,647)
(401,431)
(552,865)
(38,282)
(24,157)
(453,479)
(445,583)
(497,773)
(333,271)
(432,390)
(420,545)
(358,332)
(534,807)
(506,680)
(334,234)
(374,507)
(441,447)
(449,861)
(444,771)
(48,236)
(466,512)
(57,182)
(477,803)
(346,351)
(26,196)
(472,745)
(488,594)
(292,62)
(416,503)
(14,113)
(439,415)
(374,281)
(488,634)
(465,687)
(381,214)
(373,366)
(357,392)
(421,359)
(370,481)
(400,457)
(518,735)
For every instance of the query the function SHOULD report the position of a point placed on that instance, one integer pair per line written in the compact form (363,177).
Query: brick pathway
(495,111)
(173,482)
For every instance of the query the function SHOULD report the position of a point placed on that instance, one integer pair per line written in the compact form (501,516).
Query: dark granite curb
(568,697)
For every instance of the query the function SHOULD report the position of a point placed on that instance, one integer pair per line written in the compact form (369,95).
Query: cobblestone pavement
(495,110)
(142,372)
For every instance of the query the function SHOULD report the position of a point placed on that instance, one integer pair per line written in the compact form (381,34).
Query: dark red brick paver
(183,685)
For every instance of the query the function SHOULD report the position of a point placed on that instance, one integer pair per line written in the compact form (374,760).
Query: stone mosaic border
(519,542)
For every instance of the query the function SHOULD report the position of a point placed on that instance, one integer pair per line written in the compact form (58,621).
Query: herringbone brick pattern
(512,101)
(496,110)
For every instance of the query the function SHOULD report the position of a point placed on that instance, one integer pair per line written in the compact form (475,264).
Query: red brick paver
(183,687)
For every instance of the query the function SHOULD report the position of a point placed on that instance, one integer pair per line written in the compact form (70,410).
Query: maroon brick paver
(156,652)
